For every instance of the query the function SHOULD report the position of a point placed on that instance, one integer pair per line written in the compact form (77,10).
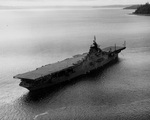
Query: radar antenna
(95,44)
(94,39)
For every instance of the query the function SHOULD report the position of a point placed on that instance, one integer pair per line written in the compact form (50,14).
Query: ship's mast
(124,43)
(94,43)
(94,38)
(95,46)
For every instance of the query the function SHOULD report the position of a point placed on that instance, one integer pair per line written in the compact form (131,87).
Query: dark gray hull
(77,73)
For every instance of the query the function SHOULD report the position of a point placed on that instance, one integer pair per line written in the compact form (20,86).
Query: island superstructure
(69,68)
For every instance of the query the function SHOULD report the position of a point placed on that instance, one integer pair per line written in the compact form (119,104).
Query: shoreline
(139,14)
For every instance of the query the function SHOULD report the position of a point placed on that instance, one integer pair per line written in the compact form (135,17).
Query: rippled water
(32,38)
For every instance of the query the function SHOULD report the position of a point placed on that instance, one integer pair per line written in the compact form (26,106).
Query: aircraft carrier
(69,68)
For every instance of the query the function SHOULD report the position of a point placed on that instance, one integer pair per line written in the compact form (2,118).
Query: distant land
(49,7)
(143,10)
(116,6)
(132,7)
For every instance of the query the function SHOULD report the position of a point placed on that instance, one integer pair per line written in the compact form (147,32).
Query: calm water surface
(32,38)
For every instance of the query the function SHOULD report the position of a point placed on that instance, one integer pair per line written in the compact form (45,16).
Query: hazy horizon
(64,6)
(29,3)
